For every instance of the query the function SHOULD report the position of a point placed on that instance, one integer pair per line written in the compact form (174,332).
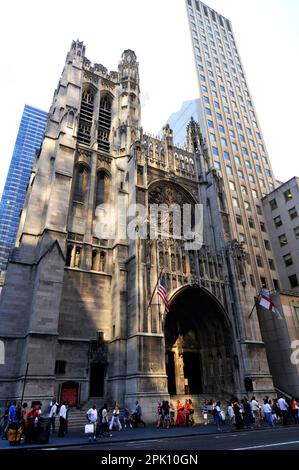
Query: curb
(139,438)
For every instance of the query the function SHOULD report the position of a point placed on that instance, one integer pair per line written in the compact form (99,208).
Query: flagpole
(155,289)
(255,303)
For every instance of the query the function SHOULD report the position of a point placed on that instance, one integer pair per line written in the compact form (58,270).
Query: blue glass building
(29,139)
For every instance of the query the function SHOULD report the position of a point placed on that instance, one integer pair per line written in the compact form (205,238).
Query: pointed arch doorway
(199,345)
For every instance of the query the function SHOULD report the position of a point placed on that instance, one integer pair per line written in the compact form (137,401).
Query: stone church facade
(79,309)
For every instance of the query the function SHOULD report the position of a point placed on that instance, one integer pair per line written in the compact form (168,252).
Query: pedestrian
(238,413)
(53,414)
(137,415)
(205,410)
(172,415)
(191,411)
(126,418)
(62,420)
(92,417)
(255,411)
(166,417)
(32,424)
(105,422)
(115,418)
(159,415)
(267,410)
(187,412)
(247,414)
(218,413)
(231,415)
(284,409)
(180,417)
(294,410)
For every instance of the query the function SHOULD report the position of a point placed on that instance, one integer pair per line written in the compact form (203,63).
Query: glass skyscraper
(29,139)
(233,136)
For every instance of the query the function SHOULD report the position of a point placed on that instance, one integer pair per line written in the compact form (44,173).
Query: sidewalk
(75,438)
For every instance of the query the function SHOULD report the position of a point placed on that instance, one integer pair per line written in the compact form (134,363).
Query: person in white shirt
(53,414)
(62,420)
(255,410)
(284,408)
(92,416)
(267,410)
(231,415)
(105,421)
(115,419)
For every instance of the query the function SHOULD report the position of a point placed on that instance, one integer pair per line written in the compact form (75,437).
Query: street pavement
(195,438)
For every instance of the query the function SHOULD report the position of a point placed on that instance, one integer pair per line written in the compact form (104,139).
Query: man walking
(62,420)
(92,416)
(52,415)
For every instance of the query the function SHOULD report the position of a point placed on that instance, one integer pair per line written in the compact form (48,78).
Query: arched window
(69,252)
(103,188)
(104,123)
(86,115)
(81,183)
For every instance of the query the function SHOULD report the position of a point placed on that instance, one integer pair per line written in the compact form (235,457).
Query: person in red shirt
(187,412)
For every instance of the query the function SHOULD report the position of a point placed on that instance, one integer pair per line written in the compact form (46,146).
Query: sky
(36,36)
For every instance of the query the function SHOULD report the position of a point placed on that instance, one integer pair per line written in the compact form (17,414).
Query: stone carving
(108,84)
(90,76)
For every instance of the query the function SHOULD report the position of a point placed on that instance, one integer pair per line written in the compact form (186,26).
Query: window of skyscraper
(293,280)
(293,213)
(258,168)
(212,137)
(245,151)
(259,262)
(210,124)
(221,128)
(288,260)
(288,195)
(296,232)
(247,206)
(223,142)
(239,219)
(251,222)
(232,185)
(208,111)
(229,170)
(217,166)
(277,221)
(219,117)
(242,138)
(235,201)
(215,151)
(226,155)
(283,241)
(248,164)
(243,189)
(240,174)
(237,160)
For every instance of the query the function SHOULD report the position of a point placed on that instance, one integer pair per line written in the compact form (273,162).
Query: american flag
(163,294)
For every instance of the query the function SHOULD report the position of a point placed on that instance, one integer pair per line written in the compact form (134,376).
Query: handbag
(89,428)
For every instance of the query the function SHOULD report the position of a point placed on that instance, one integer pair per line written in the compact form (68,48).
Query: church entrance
(97,377)
(200,357)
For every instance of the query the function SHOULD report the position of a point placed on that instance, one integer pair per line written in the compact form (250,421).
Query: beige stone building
(80,308)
